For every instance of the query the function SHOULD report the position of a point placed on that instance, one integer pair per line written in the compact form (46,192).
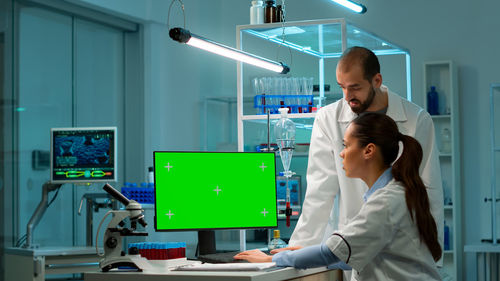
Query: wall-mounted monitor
(83,155)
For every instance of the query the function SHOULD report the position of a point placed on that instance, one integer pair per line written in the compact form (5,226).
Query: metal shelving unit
(311,49)
(316,45)
(443,75)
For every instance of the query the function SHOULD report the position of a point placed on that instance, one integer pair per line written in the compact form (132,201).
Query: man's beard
(364,105)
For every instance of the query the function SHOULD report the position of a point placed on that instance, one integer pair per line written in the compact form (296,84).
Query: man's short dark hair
(365,58)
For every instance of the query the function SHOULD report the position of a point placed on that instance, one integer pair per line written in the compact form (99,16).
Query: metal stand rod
(40,210)
(268,130)
(92,205)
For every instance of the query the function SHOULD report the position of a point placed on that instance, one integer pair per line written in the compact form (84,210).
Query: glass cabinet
(311,49)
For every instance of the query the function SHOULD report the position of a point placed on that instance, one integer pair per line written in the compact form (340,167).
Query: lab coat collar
(395,108)
(382,181)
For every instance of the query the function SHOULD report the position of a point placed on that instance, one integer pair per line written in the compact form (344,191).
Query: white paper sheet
(226,266)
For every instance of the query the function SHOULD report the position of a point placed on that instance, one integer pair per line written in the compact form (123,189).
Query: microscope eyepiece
(116,194)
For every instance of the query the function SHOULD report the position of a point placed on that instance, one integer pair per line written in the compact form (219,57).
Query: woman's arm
(309,257)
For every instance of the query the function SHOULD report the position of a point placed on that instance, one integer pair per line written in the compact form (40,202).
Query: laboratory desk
(315,274)
(34,264)
(487,260)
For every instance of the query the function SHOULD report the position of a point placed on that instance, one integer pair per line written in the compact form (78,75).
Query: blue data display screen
(80,155)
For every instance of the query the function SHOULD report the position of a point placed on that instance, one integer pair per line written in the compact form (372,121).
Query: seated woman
(394,236)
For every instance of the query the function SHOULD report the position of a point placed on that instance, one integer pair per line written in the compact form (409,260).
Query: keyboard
(222,257)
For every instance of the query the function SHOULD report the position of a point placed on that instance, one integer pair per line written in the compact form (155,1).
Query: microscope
(114,256)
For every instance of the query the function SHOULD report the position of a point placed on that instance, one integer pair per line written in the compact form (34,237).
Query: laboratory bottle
(446,237)
(445,140)
(257,12)
(151,176)
(270,11)
(276,242)
(279,13)
(284,132)
(433,101)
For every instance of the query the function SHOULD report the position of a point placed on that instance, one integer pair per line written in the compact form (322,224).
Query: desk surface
(52,251)
(482,248)
(277,274)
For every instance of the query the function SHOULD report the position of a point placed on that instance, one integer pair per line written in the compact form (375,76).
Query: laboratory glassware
(257,12)
(284,132)
(433,101)
(276,242)
(446,141)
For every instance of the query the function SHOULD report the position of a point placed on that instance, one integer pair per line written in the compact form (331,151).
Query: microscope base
(125,263)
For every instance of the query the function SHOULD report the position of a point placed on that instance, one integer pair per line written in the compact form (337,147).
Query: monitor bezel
(115,144)
(216,228)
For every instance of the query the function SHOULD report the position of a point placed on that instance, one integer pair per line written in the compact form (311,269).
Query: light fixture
(355,7)
(182,35)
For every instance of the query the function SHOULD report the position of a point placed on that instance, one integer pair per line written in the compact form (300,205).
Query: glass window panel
(71,73)
(44,101)
(99,74)
(99,98)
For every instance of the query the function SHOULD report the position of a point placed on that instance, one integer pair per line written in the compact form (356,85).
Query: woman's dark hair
(382,131)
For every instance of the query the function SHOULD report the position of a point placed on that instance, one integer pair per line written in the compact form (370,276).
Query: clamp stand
(93,205)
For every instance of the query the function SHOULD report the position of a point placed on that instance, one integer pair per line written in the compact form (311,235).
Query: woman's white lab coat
(382,242)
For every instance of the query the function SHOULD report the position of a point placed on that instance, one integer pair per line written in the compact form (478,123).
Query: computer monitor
(83,155)
(214,190)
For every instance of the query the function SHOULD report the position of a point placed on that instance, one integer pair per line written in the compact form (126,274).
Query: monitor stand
(39,211)
(206,242)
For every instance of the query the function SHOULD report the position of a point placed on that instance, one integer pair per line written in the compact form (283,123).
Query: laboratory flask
(284,132)
(276,242)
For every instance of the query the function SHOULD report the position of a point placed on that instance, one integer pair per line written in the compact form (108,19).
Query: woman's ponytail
(405,170)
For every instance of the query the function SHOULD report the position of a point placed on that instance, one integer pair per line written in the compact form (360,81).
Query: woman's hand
(254,256)
(291,248)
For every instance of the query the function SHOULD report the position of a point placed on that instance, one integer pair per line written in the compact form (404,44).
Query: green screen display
(214,190)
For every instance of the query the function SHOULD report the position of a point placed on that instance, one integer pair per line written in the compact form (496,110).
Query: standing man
(358,74)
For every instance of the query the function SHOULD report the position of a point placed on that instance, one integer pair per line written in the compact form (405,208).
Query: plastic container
(276,242)
(160,250)
(144,194)
(274,102)
(257,12)
(433,101)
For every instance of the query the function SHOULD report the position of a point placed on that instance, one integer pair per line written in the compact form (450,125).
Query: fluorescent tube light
(182,35)
(355,7)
